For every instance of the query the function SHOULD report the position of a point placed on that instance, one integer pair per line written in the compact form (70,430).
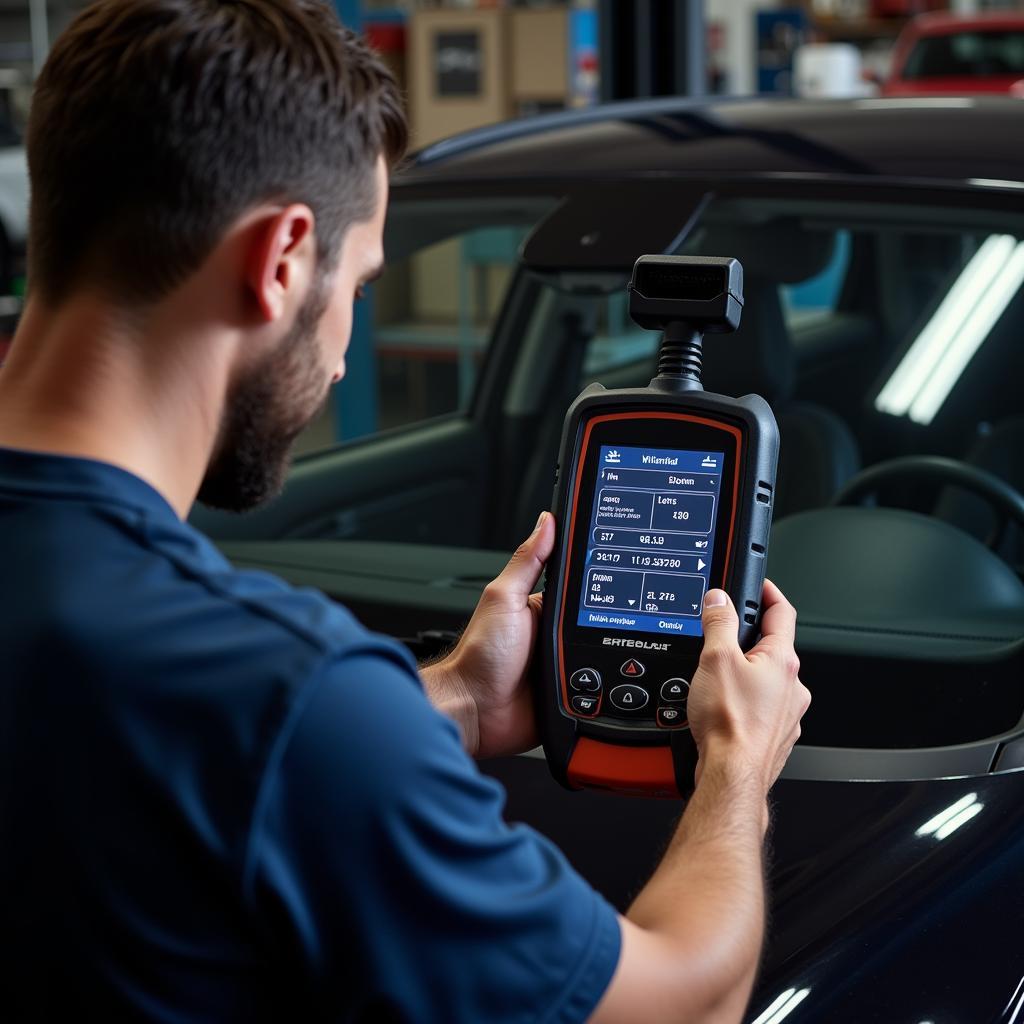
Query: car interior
(886,336)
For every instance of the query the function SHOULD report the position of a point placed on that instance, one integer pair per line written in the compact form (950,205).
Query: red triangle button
(632,668)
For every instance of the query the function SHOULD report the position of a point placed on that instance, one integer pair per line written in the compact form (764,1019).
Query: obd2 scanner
(661,493)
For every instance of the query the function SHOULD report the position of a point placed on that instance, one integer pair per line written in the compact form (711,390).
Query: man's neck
(86,380)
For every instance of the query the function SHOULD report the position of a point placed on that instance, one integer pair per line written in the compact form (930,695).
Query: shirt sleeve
(380,863)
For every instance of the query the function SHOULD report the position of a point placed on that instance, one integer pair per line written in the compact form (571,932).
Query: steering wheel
(1006,503)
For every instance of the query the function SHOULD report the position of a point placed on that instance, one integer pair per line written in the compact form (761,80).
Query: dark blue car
(883,248)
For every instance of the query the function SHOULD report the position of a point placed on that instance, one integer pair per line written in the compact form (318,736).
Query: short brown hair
(157,123)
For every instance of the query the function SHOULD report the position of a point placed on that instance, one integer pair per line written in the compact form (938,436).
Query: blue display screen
(651,540)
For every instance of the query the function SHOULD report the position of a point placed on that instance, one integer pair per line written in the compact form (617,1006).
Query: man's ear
(281,259)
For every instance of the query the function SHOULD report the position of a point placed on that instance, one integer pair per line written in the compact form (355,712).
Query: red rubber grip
(648,770)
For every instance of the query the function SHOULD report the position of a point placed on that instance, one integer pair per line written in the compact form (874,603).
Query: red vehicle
(944,54)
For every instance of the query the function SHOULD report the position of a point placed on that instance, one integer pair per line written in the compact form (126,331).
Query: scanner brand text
(614,641)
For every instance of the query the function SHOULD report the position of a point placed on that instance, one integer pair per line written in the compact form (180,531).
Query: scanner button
(632,669)
(586,679)
(669,717)
(629,698)
(584,705)
(675,691)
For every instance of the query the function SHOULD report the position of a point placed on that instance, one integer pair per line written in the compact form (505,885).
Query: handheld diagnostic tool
(661,493)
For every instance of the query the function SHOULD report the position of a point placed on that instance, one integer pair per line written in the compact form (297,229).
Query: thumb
(519,577)
(721,624)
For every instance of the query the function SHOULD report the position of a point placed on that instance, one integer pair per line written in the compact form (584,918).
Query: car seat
(818,452)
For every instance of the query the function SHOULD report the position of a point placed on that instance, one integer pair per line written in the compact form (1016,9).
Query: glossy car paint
(884,923)
(937,139)
(878,922)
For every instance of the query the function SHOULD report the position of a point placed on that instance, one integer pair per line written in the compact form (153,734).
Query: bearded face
(267,409)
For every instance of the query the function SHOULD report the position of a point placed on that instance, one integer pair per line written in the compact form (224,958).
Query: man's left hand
(484,683)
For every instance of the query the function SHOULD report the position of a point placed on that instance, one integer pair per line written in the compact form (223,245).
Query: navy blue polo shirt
(222,799)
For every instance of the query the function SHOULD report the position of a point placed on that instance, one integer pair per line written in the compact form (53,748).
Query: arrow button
(632,669)
(586,679)
(628,697)
(675,691)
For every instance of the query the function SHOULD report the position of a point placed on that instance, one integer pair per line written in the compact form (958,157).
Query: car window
(968,54)
(619,350)
(617,343)
(817,297)
(880,330)
(421,332)
(865,290)
(899,325)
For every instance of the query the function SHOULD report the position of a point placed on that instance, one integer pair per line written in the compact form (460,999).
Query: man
(222,799)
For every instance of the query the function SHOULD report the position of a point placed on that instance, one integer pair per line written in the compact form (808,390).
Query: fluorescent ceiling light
(975,329)
(985,286)
(782,999)
(783,1006)
(1015,1005)
(961,819)
(909,376)
(949,820)
(994,183)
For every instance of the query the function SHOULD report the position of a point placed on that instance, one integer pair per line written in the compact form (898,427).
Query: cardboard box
(459,72)
(540,55)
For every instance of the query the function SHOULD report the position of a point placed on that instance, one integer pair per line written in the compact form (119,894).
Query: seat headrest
(781,250)
(758,358)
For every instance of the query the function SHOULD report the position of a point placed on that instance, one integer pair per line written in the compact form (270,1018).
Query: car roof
(948,139)
(942,22)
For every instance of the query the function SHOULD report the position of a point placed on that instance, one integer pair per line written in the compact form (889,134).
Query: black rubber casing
(743,575)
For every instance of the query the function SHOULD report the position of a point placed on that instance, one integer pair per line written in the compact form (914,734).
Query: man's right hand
(746,708)
(692,939)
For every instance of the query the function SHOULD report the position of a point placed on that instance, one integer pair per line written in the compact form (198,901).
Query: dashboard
(910,632)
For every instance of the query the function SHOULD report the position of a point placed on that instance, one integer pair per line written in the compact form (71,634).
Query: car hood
(889,901)
(897,900)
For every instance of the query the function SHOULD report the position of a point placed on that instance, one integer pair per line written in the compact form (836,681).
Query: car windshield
(875,330)
(978,54)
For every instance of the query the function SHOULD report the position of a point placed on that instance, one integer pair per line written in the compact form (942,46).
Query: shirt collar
(47,475)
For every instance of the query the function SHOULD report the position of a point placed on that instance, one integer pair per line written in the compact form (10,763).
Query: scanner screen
(651,540)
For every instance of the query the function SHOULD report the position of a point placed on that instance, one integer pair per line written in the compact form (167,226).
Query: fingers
(519,578)
(778,630)
(778,616)
(544,533)
(721,624)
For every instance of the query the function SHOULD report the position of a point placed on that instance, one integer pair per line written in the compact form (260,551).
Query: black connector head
(703,292)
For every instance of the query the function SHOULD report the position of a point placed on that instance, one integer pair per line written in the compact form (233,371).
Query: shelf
(859,29)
